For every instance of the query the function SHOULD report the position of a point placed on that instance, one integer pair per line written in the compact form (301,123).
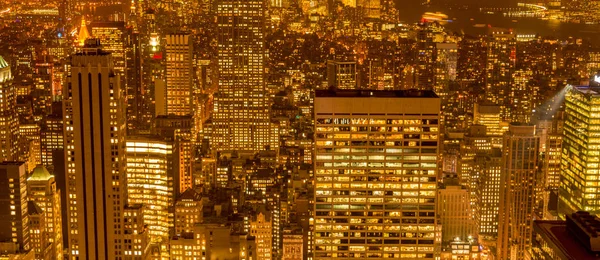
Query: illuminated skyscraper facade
(94,151)
(41,188)
(178,91)
(14,219)
(112,36)
(518,190)
(579,185)
(500,64)
(241,111)
(9,121)
(375,174)
(150,182)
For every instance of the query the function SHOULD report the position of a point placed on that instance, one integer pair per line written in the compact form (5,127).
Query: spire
(83,32)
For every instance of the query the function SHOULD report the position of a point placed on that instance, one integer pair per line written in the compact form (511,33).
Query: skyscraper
(580,150)
(500,63)
(518,190)
(150,182)
(375,174)
(41,188)
(178,91)
(94,150)
(241,118)
(9,121)
(14,220)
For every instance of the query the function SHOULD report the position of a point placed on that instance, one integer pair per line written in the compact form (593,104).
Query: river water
(465,17)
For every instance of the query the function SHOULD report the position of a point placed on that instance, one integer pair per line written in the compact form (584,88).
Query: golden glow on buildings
(94,116)
(9,121)
(241,110)
(41,188)
(518,190)
(262,230)
(83,32)
(375,174)
(150,183)
(178,96)
(580,186)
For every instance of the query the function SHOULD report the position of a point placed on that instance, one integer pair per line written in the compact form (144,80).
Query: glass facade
(580,185)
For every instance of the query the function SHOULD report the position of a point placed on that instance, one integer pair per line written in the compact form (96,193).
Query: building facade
(94,150)
(375,174)
(241,110)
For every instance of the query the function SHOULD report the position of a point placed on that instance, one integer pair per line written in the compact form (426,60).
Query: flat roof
(556,233)
(351,93)
(588,90)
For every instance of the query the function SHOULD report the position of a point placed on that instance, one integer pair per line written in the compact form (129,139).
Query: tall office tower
(475,142)
(179,130)
(51,139)
(342,73)
(112,36)
(42,91)
(521,97)
(579,152)
(150,182)
(375,174)
(491,117)
(425,56)
(14,220)
(9,121)
(518,190)
(41,188)
(241,111)
(487,193)
(178,92)
(446,57)
(454,210)
(500,63)
(95,154)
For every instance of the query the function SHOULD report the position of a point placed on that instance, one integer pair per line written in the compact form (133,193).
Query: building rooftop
(556,232)
(349,93)
(40,173)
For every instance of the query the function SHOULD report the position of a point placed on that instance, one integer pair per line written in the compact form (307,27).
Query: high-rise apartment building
(95,154)
(178,91)
(41,189)
(518,190)
(9,121)
(241,111)
(375,174)
(578,187)
(14,220)
(488,168)
(150,182)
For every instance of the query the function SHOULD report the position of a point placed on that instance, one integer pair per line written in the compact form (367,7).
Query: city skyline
(299,129)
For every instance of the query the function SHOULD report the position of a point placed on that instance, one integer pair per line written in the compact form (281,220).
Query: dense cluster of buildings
(290,130)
